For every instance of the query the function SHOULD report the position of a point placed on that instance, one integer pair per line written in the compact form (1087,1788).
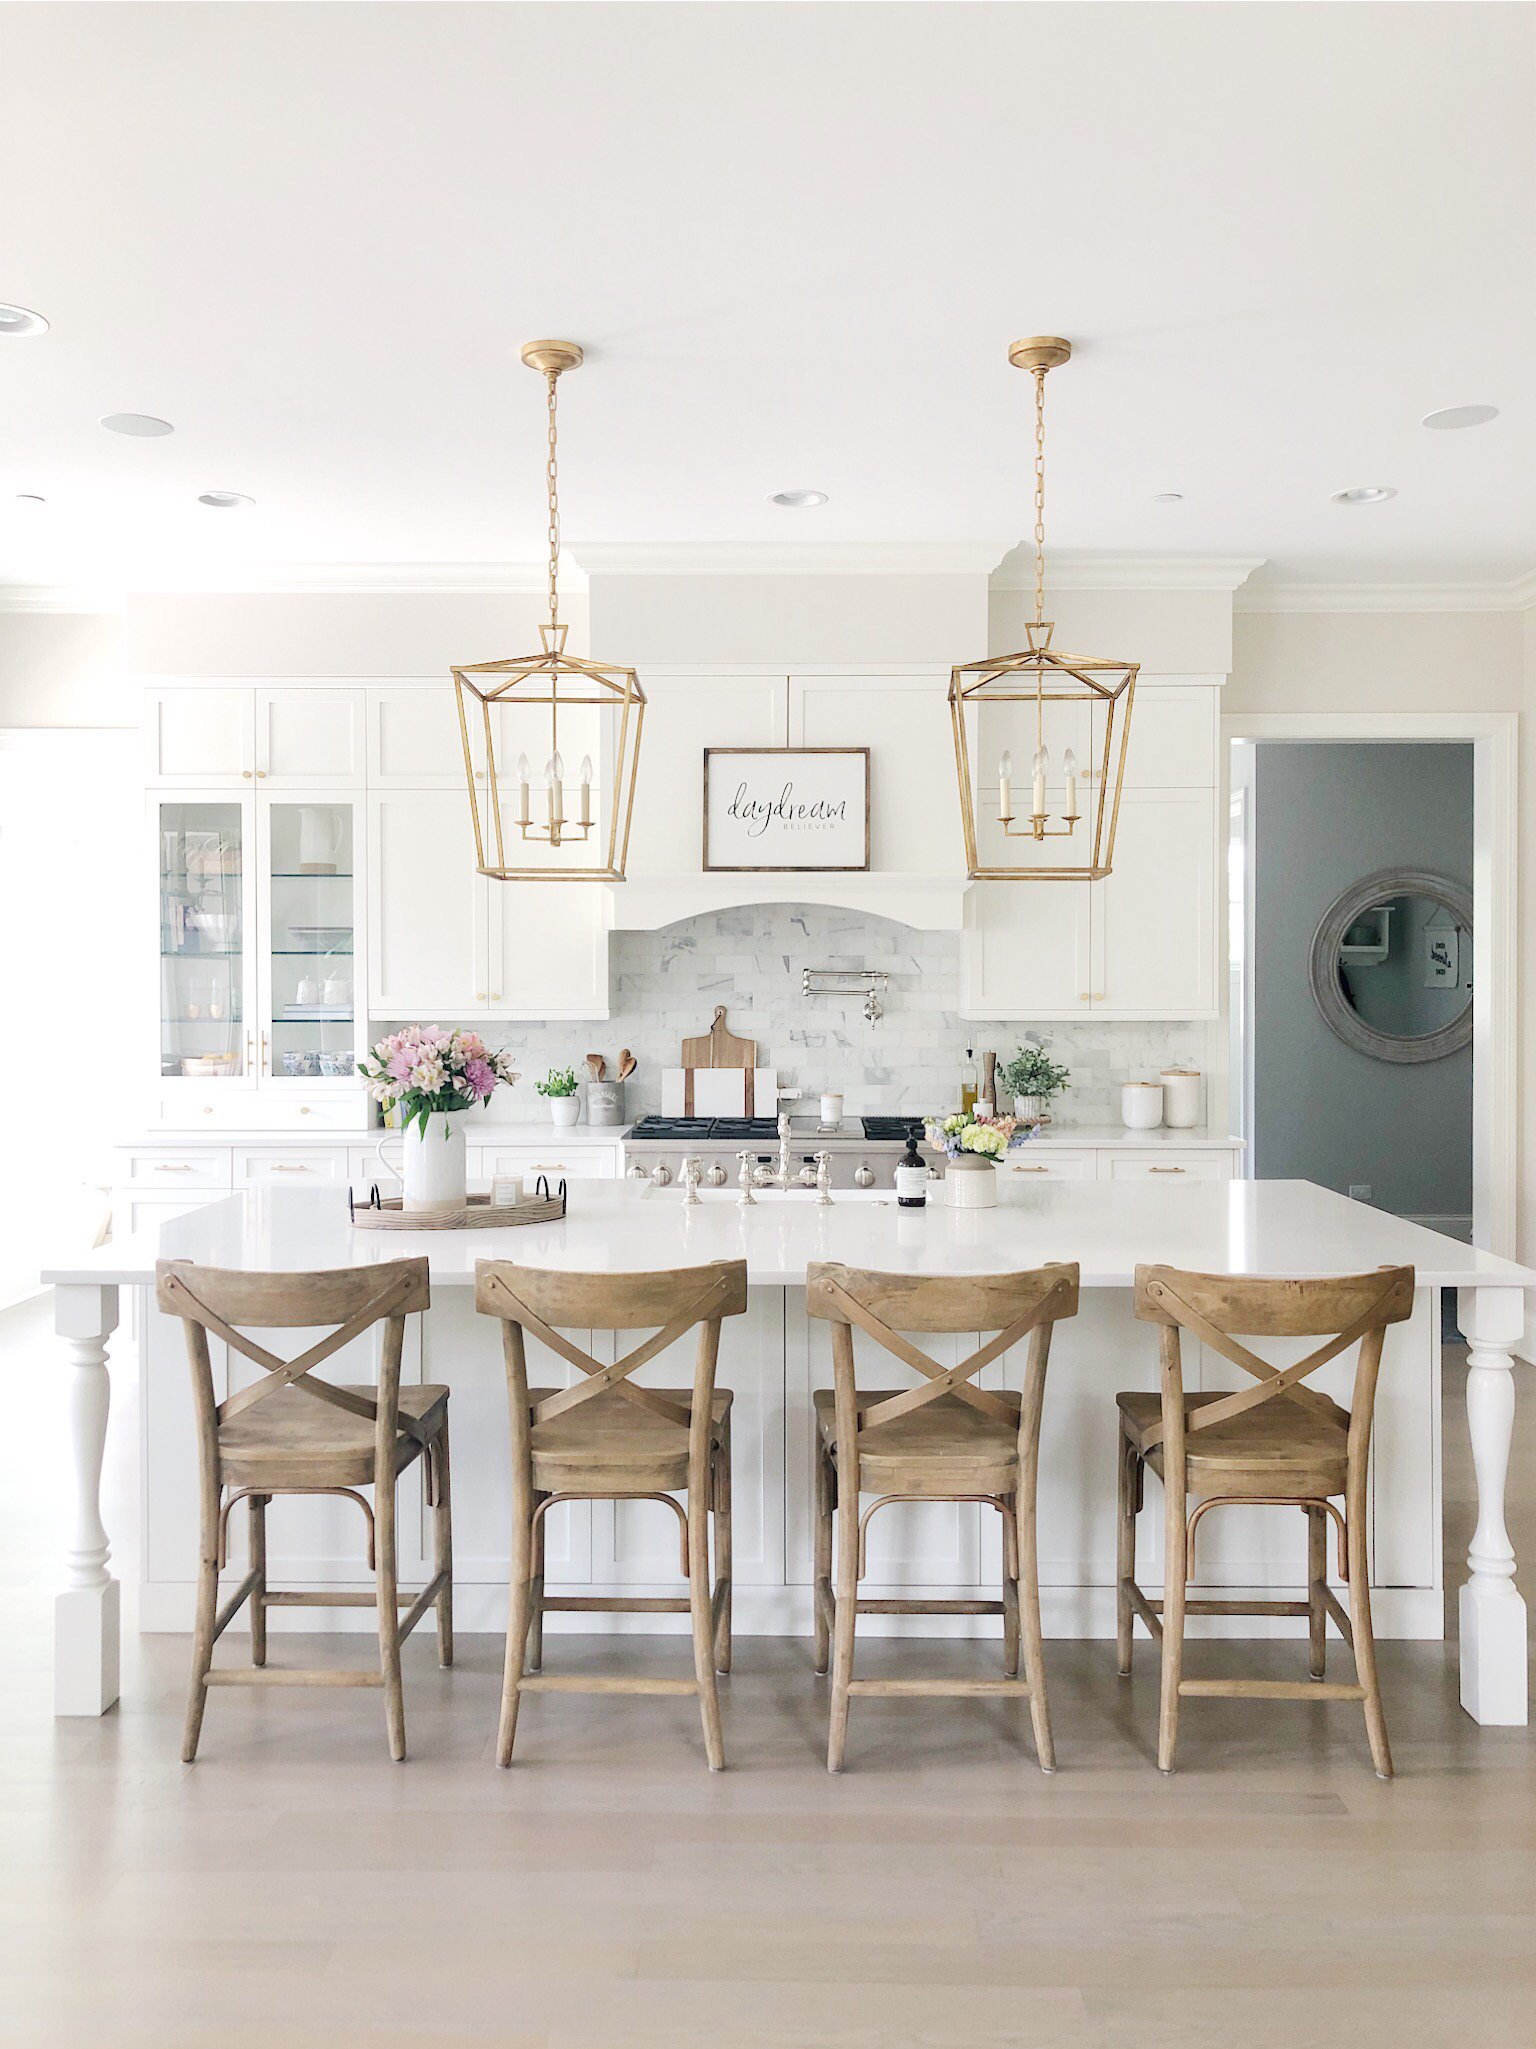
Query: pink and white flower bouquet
(971,1132)
(422,1069)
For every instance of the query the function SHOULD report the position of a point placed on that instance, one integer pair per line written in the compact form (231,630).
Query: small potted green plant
(558,1088)
(1031,1077)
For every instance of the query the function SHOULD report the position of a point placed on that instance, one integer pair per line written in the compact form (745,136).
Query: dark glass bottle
(911,1177)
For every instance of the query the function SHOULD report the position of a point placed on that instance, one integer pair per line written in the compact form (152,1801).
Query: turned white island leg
(86,1613)
(1493,1639)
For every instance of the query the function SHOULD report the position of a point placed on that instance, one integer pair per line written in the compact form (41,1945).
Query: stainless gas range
(864,1150)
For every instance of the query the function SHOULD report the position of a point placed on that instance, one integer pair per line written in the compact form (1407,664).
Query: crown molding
(1068,572)
(1518,595)
(786,558)
(370,580)
(60,597)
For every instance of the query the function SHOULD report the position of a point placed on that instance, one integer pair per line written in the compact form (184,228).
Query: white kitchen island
(773,1358)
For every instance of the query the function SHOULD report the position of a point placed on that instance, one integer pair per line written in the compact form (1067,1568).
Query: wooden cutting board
(719,1046)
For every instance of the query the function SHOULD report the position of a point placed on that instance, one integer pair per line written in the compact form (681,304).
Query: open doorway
(1353,969)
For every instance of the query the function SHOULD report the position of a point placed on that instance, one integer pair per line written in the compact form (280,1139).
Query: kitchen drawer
(1032,1164)
(288,1166)
(164,1170)
(212,1109)
(575,1162)
(1165,1166)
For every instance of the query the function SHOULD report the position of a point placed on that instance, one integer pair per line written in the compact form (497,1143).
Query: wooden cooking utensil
(597,1066)
(626,1064)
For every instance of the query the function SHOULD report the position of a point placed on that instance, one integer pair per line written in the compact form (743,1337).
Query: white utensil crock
(1141,1105)
(564,1109)
(431,1172)
(971,1182)
(1181,1097)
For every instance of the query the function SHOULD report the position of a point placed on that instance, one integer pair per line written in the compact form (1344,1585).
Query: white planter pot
(564,1110)
(431,1170)
(1029,1109)
(971,1182)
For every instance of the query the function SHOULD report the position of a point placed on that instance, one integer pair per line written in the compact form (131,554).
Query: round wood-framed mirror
(1391,965)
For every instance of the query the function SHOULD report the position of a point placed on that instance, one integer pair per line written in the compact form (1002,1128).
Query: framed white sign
(786,807)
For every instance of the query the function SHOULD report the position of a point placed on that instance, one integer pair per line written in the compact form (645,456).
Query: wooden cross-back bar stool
(1278,1443)
(293,1433)
(606,1439)
(944,1440)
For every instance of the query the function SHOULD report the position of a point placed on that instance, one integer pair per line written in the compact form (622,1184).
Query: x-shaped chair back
(1345,1310)
(353,1299)
(883,1306)
(534,1301)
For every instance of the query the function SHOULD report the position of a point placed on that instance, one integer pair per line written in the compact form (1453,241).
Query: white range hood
(928,903)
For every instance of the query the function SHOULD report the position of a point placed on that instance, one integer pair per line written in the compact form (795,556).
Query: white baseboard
(1416,1613)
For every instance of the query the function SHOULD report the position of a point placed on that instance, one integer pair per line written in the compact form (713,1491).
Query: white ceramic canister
(970,1182)
(1181,1097)
(431,1171)
(1141,1105)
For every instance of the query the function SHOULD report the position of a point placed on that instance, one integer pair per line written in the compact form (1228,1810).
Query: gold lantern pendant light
(535,705)
(1077,810)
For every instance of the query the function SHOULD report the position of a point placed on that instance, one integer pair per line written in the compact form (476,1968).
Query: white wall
(1394,661)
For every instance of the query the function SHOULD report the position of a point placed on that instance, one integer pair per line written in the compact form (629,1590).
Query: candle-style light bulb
(554,771)
(1041,769)
(1069,770)
(586,789)
(522,789)
(1004,793)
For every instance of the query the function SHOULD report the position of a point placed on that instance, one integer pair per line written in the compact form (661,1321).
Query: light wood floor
(295,1888)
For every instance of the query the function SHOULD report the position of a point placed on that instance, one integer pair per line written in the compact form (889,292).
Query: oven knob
(637,1171)
(715,1175)
(662,1178)
(864,1175)
(807,1175)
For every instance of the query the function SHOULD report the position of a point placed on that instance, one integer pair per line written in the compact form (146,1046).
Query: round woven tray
(478,1214)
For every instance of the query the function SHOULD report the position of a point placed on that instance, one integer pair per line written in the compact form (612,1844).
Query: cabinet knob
(1083,996)
(479,995)
(246,773)
(496,996)
(261,775)
(303,1109)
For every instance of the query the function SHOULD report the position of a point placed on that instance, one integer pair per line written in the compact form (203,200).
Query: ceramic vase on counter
(564,1110)
(431,1171)
(1181,1097)
(970,1182)
(1029,1109)
(1141,1105)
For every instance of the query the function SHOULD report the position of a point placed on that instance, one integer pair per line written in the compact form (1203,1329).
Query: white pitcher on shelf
(320,831)
(431,1173)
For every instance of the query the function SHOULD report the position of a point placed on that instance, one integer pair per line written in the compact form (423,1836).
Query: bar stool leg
(535,1619)
(1317,1581)
(1034,1641)
(1360,1628)
(821,1574)
(1174,1592)
(386,1592)
(1125,1556)
(722,1488)
(258,1529)
(700,1607)
(845,1618)
(519,1611)
(207,1614)
(442,1547)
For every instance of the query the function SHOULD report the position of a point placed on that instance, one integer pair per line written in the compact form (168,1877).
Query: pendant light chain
(1039,496)
(551,471)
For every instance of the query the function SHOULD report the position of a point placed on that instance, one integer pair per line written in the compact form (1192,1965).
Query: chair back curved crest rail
(294,1432)
(1277,1443)
(944,1439)
(606,1437)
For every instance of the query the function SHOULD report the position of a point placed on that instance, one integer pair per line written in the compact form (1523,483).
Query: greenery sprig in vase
(1031,1077)
(558,1088)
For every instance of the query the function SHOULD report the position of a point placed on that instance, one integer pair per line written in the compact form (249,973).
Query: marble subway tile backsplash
(666,984)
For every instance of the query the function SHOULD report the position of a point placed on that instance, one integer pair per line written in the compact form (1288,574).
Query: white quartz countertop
(484,1131)
(1236,1227)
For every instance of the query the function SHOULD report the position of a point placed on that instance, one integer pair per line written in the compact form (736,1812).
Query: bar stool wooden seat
(293,1433)
(606,1439)
(943,1440)
(1277,1443)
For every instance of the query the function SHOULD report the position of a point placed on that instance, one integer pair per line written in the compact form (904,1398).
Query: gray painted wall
(1324,815)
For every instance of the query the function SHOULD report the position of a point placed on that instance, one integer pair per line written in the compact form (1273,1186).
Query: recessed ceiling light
(1167,497)
(1365,494)
(798,499)
(144,425)
(224,501)
(1461,416)
(21,320)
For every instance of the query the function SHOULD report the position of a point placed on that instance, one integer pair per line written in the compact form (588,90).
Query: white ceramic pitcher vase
(431,1171)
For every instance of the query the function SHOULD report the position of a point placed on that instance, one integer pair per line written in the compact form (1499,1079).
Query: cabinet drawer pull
(287,1167)
(1031,1170)
(184,1168)
(1165,1170)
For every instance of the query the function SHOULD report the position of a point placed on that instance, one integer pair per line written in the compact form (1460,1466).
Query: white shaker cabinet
(1154,918)
(415,741)
(289,736)
(683,716)
(449,943)
(309,737)
(904,721)
(1027,949)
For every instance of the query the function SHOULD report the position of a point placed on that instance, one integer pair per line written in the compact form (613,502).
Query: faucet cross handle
(746,1198)
(692,1169)
(823,1180)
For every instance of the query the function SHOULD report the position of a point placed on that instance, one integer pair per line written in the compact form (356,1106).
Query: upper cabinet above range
(289,736)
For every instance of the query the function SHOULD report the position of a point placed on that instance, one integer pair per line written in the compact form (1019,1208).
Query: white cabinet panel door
(683,716)
(904,721)
(548,950)
(1175,730)
(307,738)
(1025,951)
(414,738)
(199,737)
(1154,918)
(427,914)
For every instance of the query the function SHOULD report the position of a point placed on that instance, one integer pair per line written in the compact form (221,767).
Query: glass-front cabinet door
(206,1025)
(310,958)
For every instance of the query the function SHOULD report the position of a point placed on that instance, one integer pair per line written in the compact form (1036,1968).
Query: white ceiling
(796,241)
